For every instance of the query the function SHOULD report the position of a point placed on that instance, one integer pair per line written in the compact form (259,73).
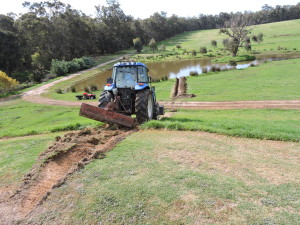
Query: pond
(180,68)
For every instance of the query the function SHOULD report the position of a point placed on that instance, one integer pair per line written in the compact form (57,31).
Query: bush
(232,62)
(203,50)
(204,70)
(193,73)
(94,88)
(194,52)
(62,67)
(59,91)
(73,66)
(7,84)
(178,46)
(49,77)
(59,67)
(88,62)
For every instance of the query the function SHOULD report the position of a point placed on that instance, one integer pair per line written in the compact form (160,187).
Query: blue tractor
(127,92)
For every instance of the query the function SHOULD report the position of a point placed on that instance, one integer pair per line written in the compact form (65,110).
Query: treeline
(53,30)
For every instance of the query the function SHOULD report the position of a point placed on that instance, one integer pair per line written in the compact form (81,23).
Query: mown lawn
(269,81)
(272,124)
(20,118)
(171,177)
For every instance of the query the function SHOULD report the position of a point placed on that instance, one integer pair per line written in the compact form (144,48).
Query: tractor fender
(141,86)
(109,87)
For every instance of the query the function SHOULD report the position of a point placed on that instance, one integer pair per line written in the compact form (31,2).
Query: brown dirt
(68,154)
(278,104)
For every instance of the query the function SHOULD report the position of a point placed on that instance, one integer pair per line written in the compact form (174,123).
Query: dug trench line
(68,154)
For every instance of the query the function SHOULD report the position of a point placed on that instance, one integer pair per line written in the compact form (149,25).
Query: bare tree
(237,29)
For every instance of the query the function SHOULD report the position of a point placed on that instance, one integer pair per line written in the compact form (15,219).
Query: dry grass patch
(251,161)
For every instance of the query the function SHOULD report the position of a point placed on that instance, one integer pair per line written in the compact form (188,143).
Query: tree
(162,48)
(6,83)
(137,44)
(38,68)
(153,44)
(9,45)
(237,29)
(214,43)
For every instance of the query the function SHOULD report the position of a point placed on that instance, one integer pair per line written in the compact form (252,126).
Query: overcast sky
(144,8)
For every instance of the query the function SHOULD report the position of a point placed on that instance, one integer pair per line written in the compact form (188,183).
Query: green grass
(180,178)
(18,155)
(269,81)
(66,85)
(21,118)
(285,34)
(272,124)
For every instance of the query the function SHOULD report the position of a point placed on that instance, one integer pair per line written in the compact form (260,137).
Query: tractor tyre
(144,106)
(156,111)
(104,99)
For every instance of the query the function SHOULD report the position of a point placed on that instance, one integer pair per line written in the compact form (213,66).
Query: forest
(51,31)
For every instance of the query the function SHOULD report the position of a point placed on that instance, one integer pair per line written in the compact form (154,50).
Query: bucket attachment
(106,116)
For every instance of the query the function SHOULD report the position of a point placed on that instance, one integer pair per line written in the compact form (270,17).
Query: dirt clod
(64,157)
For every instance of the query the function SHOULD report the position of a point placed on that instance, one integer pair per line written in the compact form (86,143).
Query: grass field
(269,81)
(272,124)
(285,34)
(181,178)
(18,155)
(21,118)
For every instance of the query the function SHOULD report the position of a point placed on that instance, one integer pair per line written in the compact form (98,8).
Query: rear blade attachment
(106,116)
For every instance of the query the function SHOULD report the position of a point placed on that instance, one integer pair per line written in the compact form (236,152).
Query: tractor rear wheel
(104,99)
(144,106)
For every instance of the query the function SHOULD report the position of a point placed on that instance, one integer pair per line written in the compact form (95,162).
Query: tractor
(127,92)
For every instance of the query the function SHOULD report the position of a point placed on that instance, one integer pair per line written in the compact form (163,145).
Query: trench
(65,156)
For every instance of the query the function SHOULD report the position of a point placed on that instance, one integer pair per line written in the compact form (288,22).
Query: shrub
(214,43)
(204,70)
(59,91)
(193,73)
(73,66)
(88,62)
(86,89)
(94,88)
(59,67)
(7,84)
(232,62)
(73,89)
(49,77)
(178,46)
(203,50)
(194,52)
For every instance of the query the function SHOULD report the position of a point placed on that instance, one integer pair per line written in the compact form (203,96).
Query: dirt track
(68,154)
(280,104)
(35,97)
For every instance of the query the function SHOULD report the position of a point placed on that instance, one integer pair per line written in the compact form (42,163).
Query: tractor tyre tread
(141,102)
(104,99)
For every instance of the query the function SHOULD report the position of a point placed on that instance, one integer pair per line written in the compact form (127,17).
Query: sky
(144,8)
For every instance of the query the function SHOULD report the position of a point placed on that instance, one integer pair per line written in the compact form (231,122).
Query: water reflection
(176,69)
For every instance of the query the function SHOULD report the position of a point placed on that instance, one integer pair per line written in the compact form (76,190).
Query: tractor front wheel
(144,106)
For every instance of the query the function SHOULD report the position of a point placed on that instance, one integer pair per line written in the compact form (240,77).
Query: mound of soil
(68,154)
